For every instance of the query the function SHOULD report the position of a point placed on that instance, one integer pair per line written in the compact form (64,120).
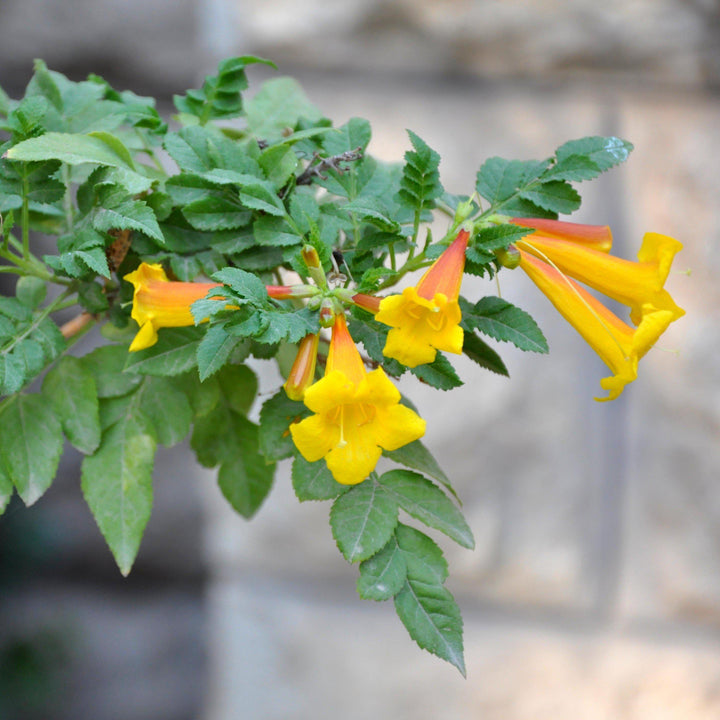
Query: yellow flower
(639,285)
(426,318)
(357,414)
(619,345)
(159,302)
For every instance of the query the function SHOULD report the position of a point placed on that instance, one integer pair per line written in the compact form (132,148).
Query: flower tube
(357,414)
(159,302)
(619,345)
(639,285)
(426,318)
(302,372)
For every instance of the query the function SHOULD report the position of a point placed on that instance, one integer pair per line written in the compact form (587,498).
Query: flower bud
(509,258)
(367,302)
(327,313)
(310,256)
(302,373)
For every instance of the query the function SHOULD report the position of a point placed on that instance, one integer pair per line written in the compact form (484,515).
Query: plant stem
(25,219)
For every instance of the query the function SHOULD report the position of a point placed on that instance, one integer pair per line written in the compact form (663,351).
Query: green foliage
(241,205)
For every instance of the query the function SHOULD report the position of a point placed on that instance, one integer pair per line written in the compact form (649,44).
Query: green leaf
(214,213)
(214,350)
(117,486)
(439,373)
(556,196)
(31,443)
(6,490)
(276,415)
(244,477)
(417,457)
(30,291)
(73,149)
(420,184)
(239,386)
(275,231)
(106,365)
(432,618)
(383,575)
(499,179)
(245,284)
(355,133)
(71,390)
(166,407)
(278,105)
(363,520)
(174,353)
(278,162)
(128,214)
(313,480)
(424,559)
(482,354)
(418,497)
(604,152)
(503,321)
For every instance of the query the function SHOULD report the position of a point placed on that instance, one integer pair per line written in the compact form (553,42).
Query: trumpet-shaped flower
(595,237)
(357,414)
(639,285)
(619,345)
(426,318)
(159,302)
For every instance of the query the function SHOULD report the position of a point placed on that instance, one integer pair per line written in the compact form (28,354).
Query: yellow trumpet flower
(357,414)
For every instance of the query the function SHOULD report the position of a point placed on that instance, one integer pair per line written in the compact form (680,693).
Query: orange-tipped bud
(367,302)
(302,373)
(310,256)
(327,313)
(287,292)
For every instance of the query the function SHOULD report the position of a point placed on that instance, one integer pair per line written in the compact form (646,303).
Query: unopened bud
(327,313)
(367,302)
(302,372)
(310,256)
(509,258)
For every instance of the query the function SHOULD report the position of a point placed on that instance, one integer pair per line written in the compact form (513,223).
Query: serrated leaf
(432,618)
(424,559)
(275,231)
(248,286)
(106,365)
(214,350)
(363,520)
(573,167)
(416,456)
(30,291)
(278,162)
(71,390)
(128,215)
(499,179)
(420,184)
(383,575)
(30,444)
(276,415)
(355,133)
(166,407)
(215,213)
(424,501)
(555,196)
(117,486)
(313,480)
(244,477)
(174,353)
(605,152)
(239,386)
(439,373)
(482,354)
(278,105)
(503,321)
(71,148)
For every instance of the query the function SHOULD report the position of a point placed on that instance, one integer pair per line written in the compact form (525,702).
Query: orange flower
(426,318)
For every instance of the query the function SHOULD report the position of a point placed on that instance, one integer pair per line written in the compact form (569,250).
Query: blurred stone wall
(594,589)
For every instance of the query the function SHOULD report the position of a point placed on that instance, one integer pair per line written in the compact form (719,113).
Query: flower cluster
(357,413)
(558,251)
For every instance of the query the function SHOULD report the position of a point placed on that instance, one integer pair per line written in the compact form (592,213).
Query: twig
(76,325)
(330,163)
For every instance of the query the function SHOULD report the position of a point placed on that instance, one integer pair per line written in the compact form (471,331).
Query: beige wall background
(594,590)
